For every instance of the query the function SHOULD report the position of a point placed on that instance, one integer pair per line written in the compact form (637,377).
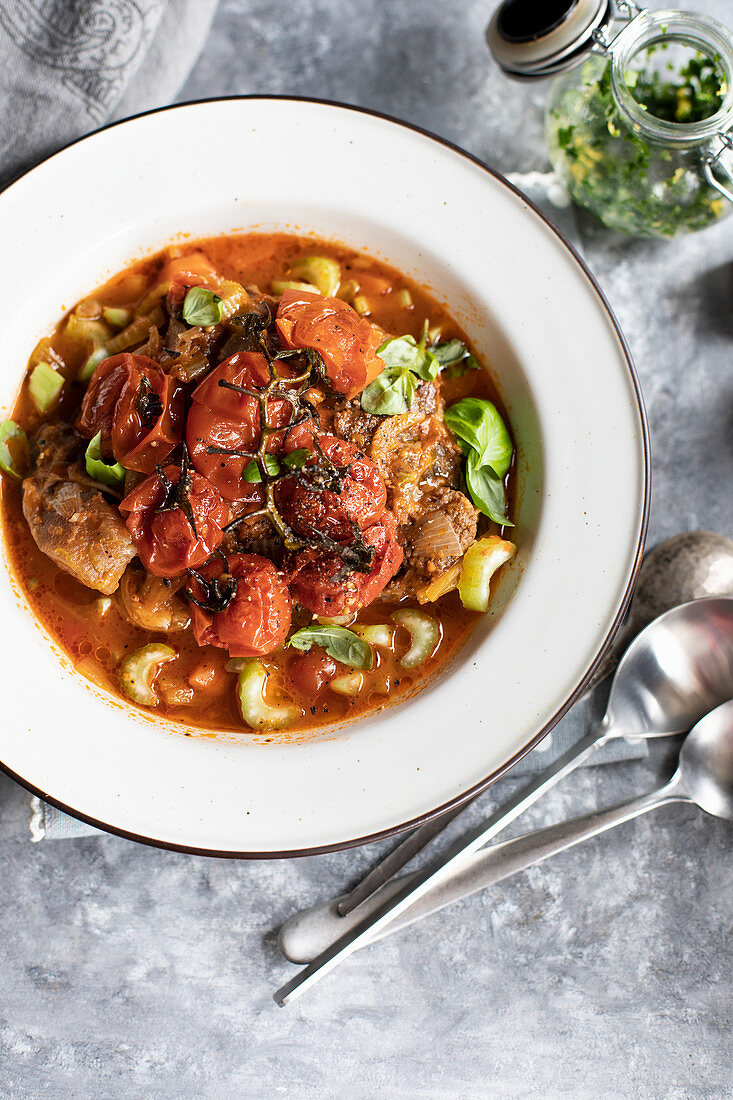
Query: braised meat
(72,523)
(351,423)
(76,527)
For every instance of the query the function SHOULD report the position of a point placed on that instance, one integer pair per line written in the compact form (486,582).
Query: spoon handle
(427,879)
(307,934)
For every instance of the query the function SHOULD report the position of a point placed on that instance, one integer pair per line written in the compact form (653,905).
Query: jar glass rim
(702,33)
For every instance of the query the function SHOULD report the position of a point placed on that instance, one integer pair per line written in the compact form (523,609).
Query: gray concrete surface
(128,972)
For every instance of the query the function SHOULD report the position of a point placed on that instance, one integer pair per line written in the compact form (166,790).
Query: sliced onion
(436,538)
(67,500)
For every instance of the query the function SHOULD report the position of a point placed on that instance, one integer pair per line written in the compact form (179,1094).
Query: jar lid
(531,39)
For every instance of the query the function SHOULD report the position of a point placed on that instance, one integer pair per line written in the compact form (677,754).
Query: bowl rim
(468,796)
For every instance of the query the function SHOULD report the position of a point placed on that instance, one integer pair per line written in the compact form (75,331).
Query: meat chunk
(415,454)
(434,544)
(351,423)
(54,446)
(77,529)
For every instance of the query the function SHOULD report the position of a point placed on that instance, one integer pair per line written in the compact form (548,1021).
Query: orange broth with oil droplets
(97,640)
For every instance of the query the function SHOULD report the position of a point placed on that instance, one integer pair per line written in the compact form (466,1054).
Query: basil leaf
(341,644)
(454,357)
(391,393)
(479,427)
(202,307)
(459,369)
(450,352)
(297,459)
(112,475)
(486,489)
(404,353)
(252,473)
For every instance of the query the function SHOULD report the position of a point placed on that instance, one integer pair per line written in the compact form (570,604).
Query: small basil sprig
(407,359)
(341,644)
(297,459)
(202,307)
(294,461)
(488,448)
(405,353)
(391,393)
(454,358)
(109,474)
(252,471)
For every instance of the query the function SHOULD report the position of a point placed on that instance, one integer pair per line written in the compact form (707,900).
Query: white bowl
(565,376)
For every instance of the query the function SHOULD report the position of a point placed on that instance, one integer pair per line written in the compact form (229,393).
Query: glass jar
(637,170)
(639,120)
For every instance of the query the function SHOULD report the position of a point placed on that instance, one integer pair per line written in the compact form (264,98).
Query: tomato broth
(198,686)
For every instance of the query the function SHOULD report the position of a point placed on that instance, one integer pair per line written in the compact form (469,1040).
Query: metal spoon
(689,566)
(674,672)
(704,776)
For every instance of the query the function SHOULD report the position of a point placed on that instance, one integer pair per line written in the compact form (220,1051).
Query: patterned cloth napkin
(68,67)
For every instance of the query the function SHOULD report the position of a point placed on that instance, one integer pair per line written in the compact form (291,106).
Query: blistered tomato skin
(312,672)
(222,419)
(347,343)
(257,618)
(137,407)
(309,508)
(165,540)
(315,580)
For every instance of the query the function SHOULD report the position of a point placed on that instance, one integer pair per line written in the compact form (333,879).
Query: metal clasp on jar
(711,159)
(623,9)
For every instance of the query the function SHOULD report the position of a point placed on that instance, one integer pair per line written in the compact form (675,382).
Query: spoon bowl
(706,763)
(676,670)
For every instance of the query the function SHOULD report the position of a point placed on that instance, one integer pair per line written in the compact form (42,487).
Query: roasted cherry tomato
(221,419)
(347,342)
(174,529)
(256,618)
(138,409)
(311,672)
(332,496)
(315,580)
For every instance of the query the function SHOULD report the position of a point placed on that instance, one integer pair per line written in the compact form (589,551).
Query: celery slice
(109,474)
(320,271)
(424,635)
(92,363)
(381,634)
(13,461)
(139,670)
(45,386)
(348,290)
(350,684)
(480,562)
(254,710)
(279,286)
(116,316)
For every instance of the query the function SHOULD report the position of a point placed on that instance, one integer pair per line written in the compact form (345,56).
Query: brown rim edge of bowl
(483,784)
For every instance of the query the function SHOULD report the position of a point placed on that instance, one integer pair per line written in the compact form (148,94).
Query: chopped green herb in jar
(631,182)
